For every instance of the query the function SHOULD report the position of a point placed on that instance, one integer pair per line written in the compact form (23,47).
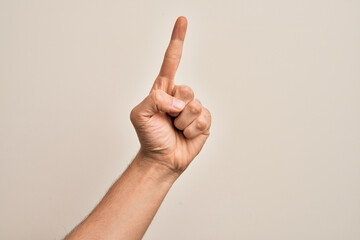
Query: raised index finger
(173,53)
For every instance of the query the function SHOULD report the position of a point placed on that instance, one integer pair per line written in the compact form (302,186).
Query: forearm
(129,206)
(168,145)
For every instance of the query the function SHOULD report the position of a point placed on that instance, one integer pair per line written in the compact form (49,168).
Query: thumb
(157,101)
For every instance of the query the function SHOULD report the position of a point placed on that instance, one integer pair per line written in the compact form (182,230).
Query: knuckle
(195,107)
(156,95)
(208,113)
(186,92)
(133,115)
(201,124)
(208,133)
(187,133)
(172,55)
(206,110)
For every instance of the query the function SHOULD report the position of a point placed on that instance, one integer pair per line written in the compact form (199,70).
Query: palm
(158,136)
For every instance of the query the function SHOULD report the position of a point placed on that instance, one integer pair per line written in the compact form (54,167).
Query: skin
(172,127)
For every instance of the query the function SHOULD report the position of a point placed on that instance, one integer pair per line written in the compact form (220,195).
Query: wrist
(155,169)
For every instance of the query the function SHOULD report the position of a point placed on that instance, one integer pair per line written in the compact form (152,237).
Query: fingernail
(178,104)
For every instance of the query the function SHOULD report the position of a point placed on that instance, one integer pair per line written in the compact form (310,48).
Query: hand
(171,125)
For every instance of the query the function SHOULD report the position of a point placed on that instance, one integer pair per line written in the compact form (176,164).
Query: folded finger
(188,115)
(199,126)
(183,93)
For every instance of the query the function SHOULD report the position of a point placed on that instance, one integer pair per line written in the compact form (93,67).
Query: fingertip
(180,27)
(182,20)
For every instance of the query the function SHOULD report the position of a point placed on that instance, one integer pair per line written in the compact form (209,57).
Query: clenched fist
(172,126)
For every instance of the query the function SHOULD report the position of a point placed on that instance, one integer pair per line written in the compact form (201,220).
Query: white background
(281,78)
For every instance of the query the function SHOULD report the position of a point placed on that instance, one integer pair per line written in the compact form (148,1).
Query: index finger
(173,53)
